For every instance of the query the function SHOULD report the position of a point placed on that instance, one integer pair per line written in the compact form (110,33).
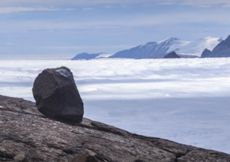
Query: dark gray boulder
(57,96)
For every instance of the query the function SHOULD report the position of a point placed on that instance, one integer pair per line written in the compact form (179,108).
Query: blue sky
(59,29)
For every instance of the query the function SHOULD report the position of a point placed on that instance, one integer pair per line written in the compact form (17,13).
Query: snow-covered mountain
(159,49)
(85,56)
(195,48)
(162,48)
(221,50)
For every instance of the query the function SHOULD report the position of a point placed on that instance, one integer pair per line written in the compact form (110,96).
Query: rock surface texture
(57,96)
(28,136)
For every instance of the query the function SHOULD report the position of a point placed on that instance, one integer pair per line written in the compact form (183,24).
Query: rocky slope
(28,136)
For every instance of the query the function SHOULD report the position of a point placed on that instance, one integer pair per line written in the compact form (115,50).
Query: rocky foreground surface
(28,136)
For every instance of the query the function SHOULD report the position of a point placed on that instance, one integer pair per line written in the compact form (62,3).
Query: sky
(59,29)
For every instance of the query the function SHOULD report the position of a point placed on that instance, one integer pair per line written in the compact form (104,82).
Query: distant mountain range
(170,48)
(90,56)
(162,48)
(86,56)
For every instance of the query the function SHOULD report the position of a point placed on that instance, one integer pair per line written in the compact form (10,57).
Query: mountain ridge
(221,50)
(159,49)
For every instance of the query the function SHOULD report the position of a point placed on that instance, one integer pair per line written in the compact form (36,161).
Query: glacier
(184,100)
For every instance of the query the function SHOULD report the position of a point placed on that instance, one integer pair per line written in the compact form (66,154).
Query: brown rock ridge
(28,136)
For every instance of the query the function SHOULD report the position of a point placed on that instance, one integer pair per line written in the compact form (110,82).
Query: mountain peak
(150,43)
(206,53)
(221,50)
(172,54)
(171,39)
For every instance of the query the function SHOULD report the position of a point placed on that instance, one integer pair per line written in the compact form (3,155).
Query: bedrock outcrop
(26,135)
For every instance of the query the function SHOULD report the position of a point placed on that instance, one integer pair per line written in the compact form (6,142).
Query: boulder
(56,95)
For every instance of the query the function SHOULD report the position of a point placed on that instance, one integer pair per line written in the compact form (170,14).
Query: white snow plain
(184,100)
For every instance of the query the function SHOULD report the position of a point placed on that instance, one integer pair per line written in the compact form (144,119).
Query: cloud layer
(109,2)
(7,10)
(15,6)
